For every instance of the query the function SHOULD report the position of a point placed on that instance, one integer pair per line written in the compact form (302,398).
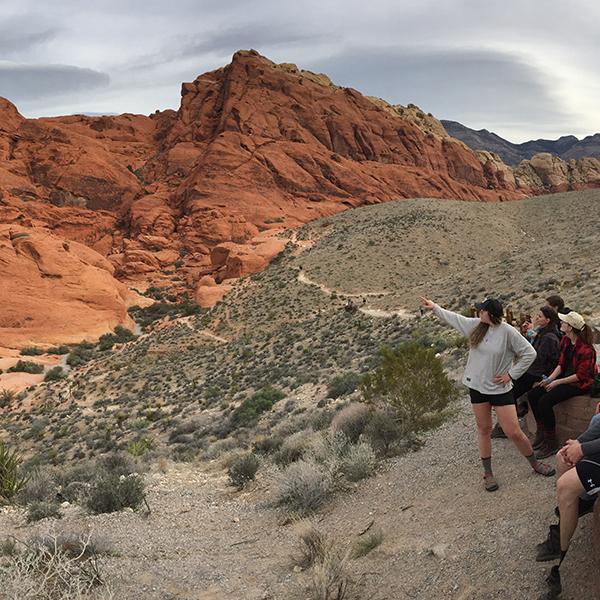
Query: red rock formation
(254,147)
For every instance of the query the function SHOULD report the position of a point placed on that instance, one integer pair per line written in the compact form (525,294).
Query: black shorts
(588,470)
(505,399)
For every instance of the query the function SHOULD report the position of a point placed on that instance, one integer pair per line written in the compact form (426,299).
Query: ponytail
(586,335)
(479,332)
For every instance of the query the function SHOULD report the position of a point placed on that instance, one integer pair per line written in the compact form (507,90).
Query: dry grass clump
(243,470)
(365,544)
(328,561)
(358,462)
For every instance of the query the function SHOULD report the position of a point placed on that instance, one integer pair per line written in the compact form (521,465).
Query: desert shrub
(351,420)
(343,384)
(40,487)
(147,315)
(12,480)
(123,334)
(252,408)
(293,448)
(8,547)
(118,463)
(267,444)
(411,381)
(26,366)
(303,486)
(111,492)
(106,341)
(140,447)
(358,462)
(367,543)
(243,470)
(43,510)
(58,350)
(80,354)
(53,568)
(383,431)
(7,397)
(31,351)
(54,374)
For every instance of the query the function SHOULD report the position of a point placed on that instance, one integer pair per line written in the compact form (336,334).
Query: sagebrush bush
(267,444)
(7,397)
(304,486)
(293,448)
(27,366)
(343,384)
(383,431)
(111,493)
(351,420)
(40,487)
(54,374)
(358,462)
(43,510)
(411,381)
(243,469)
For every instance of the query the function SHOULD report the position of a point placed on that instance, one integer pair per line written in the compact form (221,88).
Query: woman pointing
(498,355)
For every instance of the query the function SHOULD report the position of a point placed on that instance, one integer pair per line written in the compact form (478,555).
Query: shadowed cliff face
(196,194)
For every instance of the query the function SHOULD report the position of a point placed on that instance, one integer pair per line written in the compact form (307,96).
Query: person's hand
(504,378)
(573,452)
(538,383)
(550,385)
(427,304)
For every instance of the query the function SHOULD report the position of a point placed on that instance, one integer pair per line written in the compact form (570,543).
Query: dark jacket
(547,347)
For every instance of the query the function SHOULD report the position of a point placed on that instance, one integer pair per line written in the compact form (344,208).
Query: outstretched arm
(463,324)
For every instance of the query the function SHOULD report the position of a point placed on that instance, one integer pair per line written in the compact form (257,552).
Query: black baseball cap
(493,306)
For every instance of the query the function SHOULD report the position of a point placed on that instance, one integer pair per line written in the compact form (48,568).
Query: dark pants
(524,384)
(542,402)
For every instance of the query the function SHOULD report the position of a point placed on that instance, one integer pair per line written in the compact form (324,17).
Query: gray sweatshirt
(590,438)
(503,349)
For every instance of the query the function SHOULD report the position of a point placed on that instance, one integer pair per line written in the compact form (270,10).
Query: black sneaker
(549,549)
(554,585)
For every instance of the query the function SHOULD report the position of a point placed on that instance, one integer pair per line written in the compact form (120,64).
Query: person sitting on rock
(573,376)
(578,465)
(547,347)
(498,355)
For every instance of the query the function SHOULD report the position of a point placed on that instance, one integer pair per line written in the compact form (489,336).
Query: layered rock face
(195,196)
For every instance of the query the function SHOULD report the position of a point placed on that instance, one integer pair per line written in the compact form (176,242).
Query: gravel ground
(444,536)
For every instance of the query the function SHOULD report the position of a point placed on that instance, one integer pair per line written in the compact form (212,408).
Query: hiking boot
(554,585)
(497,432)
(489,482)
(586,506)
(548,448)
(549,549)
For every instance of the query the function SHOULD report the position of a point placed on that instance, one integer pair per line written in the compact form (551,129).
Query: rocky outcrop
(255,147)
(54,291)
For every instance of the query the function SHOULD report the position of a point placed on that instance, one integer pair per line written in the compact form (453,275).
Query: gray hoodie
(503,349)
(590,438)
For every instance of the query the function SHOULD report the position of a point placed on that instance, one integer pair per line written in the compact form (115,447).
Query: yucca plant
(11,480)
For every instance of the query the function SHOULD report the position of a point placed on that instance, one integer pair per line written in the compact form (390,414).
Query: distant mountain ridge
(566,147)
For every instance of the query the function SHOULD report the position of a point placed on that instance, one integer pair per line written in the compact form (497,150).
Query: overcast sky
(522,68)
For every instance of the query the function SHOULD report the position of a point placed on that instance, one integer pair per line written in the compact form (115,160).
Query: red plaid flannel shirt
(583,361)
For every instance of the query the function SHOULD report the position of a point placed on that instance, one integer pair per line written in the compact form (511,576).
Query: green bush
(31,351)
(54,374)
(43,510)
(111,493)
(243,470)
(344,384)
(140,447)
(411,381)
(26,366)
(58,350)
(252,408)
(80,354)
(383,431)
(7,397)
(11,479)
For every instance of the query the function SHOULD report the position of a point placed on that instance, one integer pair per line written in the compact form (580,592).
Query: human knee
(566,492)
(513,432)
(484,429)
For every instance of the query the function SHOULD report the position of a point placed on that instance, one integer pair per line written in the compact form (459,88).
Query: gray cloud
(479,88)
(12,41)
(22,83)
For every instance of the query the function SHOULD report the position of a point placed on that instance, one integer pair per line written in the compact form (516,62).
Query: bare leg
(507,417)
(483,417)
(568,489)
